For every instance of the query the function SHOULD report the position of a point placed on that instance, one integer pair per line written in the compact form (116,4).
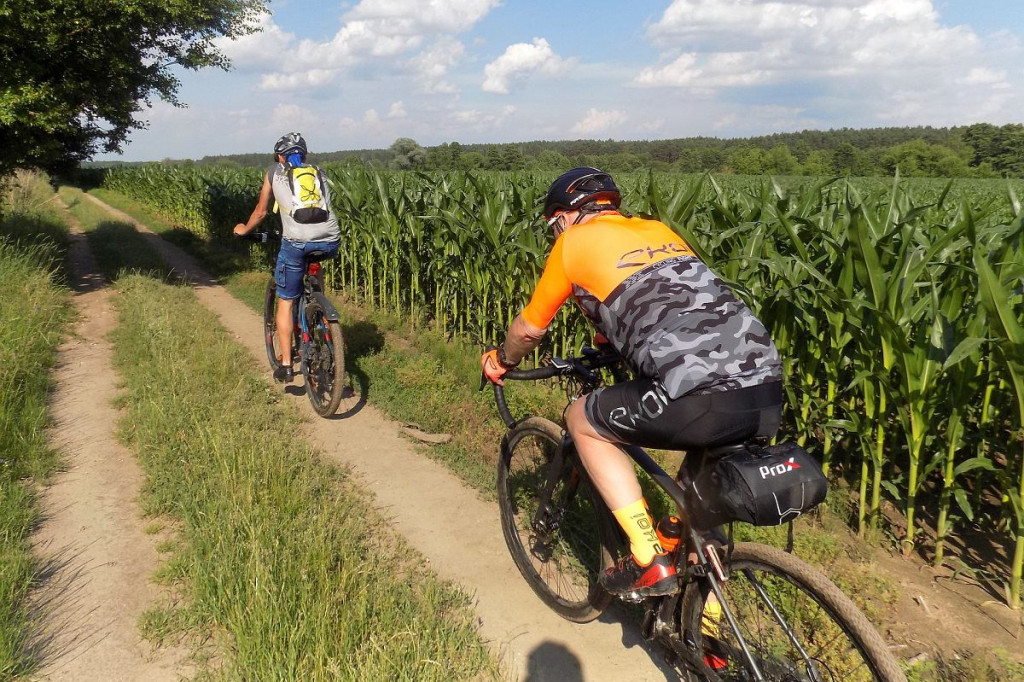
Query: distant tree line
(981,150)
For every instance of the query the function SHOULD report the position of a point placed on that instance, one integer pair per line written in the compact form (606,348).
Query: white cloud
(293,117)
(397,110)
(372,30)
(432,65)
(518,60)
(981,76)
(295,81)
(257,49)
(729,43)
(651,126)
(371,116)
(478,120)
(893,61)
(725,69)
(597,121)
(416,17)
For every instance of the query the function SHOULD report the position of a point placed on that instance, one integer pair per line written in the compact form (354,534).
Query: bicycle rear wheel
(560,543)
(767,585)
(324,363)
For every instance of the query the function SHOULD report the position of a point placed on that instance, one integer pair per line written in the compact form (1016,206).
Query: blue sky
(357,75)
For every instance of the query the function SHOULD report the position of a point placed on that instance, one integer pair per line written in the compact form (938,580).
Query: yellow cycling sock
(711,617)
(636,521)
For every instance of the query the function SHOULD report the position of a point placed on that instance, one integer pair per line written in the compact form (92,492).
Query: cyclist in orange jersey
(705,369)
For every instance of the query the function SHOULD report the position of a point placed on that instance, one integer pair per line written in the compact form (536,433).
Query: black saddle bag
(764,486)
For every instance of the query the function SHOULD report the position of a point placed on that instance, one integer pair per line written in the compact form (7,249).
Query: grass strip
(34,309)
(279,555)
(116,245)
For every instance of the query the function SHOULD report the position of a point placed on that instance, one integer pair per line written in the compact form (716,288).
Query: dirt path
(97,558)
(457,532)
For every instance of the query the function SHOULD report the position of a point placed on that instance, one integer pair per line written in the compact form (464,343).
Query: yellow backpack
(309,194)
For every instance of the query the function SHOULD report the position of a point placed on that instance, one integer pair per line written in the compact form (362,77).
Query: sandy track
(431,508)
(98,560)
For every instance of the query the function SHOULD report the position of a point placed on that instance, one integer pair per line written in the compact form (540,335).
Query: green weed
(34,310)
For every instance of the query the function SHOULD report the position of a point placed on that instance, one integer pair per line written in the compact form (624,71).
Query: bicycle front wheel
(324,363)
(560,539)
(270,324)
(797,624)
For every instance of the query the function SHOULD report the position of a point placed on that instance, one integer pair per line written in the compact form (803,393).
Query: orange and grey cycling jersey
(658,304)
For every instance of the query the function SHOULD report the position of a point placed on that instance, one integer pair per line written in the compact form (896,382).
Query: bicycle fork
(548,518)
(710,569)
(708,559)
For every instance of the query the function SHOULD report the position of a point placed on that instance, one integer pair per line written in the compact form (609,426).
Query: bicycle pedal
(632,597)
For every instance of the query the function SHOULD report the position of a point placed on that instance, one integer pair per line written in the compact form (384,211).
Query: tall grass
(280,555)
(33,310)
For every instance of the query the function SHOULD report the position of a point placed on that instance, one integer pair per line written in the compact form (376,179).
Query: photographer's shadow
(551,662)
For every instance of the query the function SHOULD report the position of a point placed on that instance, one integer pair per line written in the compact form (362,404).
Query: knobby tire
(324,363)
(561,565)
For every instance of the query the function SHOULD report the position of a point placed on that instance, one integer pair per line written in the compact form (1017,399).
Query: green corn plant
(876,345)
(999,299)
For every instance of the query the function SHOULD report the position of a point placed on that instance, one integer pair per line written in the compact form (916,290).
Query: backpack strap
(290,170)
(321,177)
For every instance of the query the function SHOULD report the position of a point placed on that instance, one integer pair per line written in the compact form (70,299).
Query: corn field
(898,308)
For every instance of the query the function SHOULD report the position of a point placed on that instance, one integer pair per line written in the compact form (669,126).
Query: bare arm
(522,338)
(261,210)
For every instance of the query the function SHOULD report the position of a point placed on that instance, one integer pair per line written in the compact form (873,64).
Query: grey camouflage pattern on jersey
(677,322)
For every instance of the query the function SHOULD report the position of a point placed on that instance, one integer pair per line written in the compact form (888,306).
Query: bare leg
(612,472)
(285,327)
(610,468)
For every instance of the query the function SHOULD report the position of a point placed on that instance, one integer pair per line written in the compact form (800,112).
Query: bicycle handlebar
(587,367)
(260,237)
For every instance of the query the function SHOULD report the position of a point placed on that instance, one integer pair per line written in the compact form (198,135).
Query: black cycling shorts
(639,412)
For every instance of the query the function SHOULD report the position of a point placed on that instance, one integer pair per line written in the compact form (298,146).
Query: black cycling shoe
(284,374)
(629,579)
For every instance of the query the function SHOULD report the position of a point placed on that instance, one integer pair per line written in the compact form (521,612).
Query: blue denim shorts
(291,265)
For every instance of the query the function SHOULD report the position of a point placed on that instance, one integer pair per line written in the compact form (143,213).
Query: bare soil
(97,558)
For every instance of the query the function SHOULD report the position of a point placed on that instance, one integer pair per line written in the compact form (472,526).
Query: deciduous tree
(76,74)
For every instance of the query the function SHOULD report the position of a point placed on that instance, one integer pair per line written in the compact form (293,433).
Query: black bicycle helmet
(578,187)
(289,144)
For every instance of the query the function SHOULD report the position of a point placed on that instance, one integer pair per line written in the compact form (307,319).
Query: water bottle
(669,530)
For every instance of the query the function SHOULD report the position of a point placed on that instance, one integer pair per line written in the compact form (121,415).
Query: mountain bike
(743,611)
(317,342)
